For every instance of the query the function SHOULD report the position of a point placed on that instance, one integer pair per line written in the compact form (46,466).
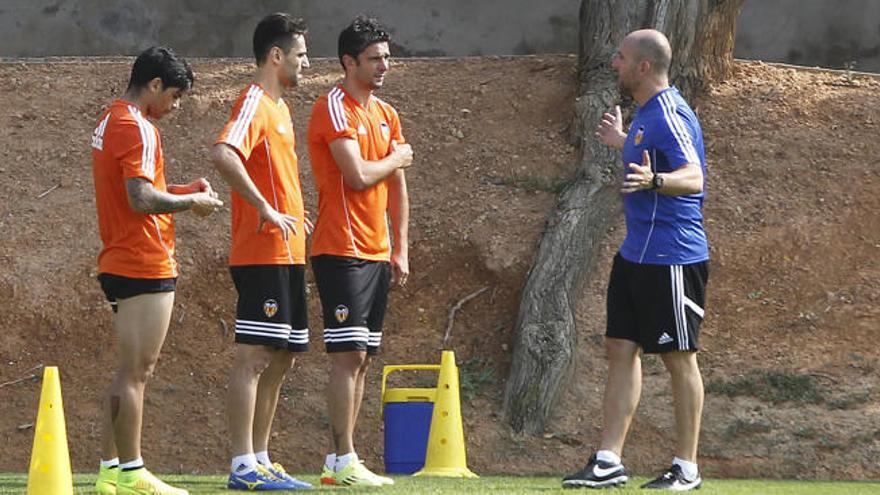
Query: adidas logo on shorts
(664,339)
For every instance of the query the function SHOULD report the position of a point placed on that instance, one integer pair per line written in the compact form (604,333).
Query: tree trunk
(701,33)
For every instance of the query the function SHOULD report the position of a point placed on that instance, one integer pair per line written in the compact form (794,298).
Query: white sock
(688,468)
(608,456)
(343,460)
(243,464)
(330,462)
(132,465)
(112,463)
(263,458)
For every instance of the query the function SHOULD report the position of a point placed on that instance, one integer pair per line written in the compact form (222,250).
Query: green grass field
(204,485)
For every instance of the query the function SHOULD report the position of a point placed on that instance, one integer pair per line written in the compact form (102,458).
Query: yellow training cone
(50,461)
(446,454)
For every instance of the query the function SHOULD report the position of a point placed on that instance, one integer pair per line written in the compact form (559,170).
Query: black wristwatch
(657,182)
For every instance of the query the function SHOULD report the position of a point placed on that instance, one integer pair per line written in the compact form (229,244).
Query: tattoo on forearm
(146,198)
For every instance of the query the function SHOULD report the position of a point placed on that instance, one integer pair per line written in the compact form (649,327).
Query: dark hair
(361,33)
(276,29)
(161,62)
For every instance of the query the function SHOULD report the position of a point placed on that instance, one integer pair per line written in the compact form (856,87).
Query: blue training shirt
(660,229)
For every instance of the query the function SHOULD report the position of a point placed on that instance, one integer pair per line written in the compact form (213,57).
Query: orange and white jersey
(351,223)
(260,130)
(126,145)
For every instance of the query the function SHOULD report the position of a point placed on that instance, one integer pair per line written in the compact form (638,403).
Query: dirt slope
(791,214)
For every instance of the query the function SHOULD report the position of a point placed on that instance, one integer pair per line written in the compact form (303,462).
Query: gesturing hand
(610,129)
(640,176)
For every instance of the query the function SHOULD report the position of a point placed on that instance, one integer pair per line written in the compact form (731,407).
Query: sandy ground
(791,213)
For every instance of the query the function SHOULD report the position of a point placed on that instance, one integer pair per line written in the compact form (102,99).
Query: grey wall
(223,28)
(809,32)
(826,33)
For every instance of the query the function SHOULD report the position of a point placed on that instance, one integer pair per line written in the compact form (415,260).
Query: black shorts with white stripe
(117,287)
(354,294)
(272,309)
(660,307)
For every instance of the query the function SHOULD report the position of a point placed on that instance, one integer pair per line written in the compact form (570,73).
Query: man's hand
(640,176)
(399,268)
(404,151)
(610,129)
(198,185)
(285,222)
(204,203)
(310,227)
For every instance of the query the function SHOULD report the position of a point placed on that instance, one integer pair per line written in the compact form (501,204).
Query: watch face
(657,181)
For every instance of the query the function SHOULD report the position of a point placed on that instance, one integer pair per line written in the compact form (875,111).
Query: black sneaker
(596,474)
(674,480)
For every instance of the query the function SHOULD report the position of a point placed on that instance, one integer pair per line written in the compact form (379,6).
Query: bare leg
(268,389)
(345,367)
(108,442)
(687,394)
(359,392)
(241,398)
(141,324)
(622,391)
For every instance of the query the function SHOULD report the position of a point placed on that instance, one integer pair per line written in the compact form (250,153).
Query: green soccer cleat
(142,482)
(105,484)
(355,474)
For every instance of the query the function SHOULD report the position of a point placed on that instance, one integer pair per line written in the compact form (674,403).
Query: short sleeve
(676,141)
(332,120)
(137,147)
(246,125)
(396,128)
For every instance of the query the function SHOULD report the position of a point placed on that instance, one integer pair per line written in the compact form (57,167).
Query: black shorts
(272,309)
(117,287)
(354,294)
(658,306)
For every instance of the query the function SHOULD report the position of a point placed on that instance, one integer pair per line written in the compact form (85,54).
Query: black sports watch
(656,182)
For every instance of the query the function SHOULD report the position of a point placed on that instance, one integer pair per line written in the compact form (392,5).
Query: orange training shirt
(351,223)
(126,145)
(261,132)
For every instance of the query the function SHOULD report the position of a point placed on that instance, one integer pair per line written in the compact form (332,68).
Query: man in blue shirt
(656,291)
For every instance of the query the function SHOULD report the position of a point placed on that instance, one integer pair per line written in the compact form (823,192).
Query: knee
(681,364)
(282,361)
(350,362)
(140,371)
(365,364)
(621,351)
(253,364)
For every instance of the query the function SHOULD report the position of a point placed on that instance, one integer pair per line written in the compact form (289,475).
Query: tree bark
(701,33)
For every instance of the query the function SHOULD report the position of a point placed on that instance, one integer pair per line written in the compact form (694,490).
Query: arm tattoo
(147,199)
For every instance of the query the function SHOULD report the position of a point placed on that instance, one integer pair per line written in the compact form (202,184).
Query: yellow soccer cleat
(105,484)
(355,474)
(142,482)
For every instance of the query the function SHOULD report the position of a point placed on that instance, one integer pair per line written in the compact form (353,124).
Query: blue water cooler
(407,414)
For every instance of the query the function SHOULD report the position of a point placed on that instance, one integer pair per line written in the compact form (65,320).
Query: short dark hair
(161,62)
(361,33)
(276,29)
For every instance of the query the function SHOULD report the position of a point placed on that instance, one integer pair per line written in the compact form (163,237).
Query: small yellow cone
(446,455)
(50,460)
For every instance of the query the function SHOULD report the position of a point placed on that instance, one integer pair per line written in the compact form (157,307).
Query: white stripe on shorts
(299,336)
(678,297)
